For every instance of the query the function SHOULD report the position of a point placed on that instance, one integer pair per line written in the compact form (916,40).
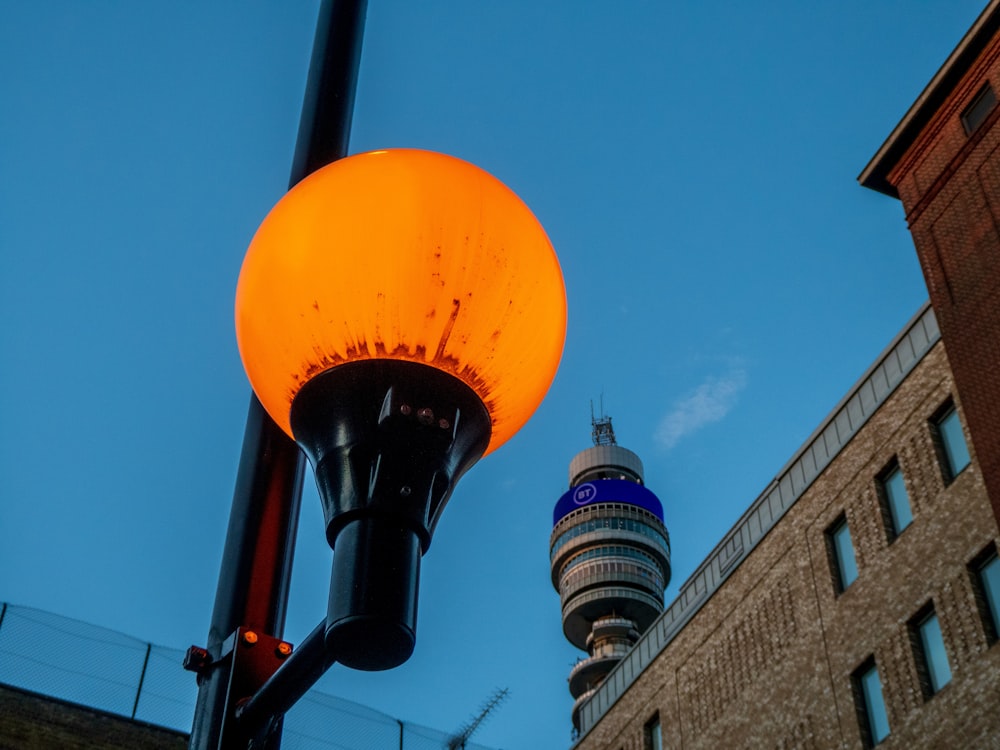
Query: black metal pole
(256,561)
(328,104)
(257,558)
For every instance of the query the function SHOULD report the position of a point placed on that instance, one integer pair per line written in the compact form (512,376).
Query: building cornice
(875,174)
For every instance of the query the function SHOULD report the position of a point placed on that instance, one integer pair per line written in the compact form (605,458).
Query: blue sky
(693,163)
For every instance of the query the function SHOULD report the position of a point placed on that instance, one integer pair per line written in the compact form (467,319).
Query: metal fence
(102,669)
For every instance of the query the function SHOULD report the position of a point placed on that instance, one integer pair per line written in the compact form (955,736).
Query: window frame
(943,447)
(987,600)
(928,671)
(888,502)
(863,700)
(837,571)
(973,116)
(652,733)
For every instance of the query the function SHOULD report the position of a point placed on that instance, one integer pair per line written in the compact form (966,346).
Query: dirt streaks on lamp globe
(399,313)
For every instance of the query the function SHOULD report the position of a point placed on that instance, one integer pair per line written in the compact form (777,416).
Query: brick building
(857,601)
(942,162)
(851,602)
(36,722)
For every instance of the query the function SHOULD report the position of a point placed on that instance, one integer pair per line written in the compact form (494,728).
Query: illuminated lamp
(399,314)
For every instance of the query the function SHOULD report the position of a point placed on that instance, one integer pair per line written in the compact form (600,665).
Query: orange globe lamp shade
(403,254)
(399,313)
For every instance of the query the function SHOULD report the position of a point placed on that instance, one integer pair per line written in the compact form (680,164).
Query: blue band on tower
(606,491)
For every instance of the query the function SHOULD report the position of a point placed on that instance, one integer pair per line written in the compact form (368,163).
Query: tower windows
(841,553)
(644,527)
(894,500)
(985,573)
(873,721)
(953,453)
(929,652)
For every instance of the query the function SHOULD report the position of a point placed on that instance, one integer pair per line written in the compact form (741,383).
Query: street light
(391,412)
(399,314)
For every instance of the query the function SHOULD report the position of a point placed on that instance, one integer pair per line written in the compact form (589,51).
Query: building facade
(943,162)
(30,721)
(853,605)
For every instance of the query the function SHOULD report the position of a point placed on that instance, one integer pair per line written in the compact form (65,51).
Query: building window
(953,453)
(895,502)
(872,718)
(841,553)
(928,650)
(652,735)
(985,571)
(980,107)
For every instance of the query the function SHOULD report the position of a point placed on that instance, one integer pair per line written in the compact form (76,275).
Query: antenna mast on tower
(601,431)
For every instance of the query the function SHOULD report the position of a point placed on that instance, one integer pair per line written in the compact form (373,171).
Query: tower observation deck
(610,558)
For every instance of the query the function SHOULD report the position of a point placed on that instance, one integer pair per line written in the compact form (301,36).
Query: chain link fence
(92,666)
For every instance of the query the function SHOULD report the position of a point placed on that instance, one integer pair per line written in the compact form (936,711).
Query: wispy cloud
(707,403)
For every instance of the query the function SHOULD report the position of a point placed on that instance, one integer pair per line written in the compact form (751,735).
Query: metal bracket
(251,659)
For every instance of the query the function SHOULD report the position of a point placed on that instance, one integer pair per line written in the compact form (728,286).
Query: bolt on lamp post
(400,314)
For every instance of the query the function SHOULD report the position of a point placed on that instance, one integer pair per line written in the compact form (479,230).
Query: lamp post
(399,314)
(255,574)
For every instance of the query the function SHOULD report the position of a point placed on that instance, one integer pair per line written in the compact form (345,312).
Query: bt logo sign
(585,493)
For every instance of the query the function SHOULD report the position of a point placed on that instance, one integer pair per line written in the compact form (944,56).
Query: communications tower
(610,558)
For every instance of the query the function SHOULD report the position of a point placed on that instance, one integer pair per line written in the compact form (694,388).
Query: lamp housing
(387,440)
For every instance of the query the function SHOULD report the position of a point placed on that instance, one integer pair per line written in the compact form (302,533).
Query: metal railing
(103,669)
